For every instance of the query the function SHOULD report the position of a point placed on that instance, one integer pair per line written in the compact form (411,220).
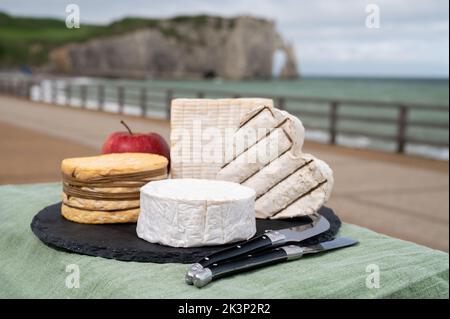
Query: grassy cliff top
(25,40)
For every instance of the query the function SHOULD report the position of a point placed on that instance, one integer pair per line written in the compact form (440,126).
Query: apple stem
(126,126)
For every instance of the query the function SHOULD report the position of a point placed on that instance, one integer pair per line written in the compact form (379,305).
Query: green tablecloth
(30,269)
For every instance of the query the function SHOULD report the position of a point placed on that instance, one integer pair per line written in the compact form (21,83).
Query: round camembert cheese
(196,212)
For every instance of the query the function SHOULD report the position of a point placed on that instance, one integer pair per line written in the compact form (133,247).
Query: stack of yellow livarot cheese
(105,188)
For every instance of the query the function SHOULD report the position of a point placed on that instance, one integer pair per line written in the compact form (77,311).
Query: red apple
(129,142)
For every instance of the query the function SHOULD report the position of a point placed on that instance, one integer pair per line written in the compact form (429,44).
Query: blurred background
(369,80)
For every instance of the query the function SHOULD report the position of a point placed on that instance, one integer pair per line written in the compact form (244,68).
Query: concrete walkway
(401,196)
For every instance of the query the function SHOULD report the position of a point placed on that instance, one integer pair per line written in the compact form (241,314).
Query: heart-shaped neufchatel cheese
(287,182)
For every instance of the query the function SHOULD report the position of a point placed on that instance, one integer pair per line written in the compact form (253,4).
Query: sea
(396,90)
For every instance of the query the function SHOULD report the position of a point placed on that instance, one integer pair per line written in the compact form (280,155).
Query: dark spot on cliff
(162,64)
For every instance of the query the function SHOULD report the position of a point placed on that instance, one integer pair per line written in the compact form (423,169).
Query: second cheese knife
(264,258)
(271,238)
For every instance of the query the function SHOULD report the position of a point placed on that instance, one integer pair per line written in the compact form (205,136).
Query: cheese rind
(302,192)
(287,185)
(200,127)
(86,168)
(316,198)
(96,204)
(99,217)
(274,172)
(253,127)
(256,157)
(196,212)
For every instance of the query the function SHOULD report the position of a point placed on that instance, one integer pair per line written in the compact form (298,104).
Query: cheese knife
(273,256)
(271,238)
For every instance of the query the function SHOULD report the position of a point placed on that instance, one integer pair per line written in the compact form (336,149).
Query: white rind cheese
(193,121)
(302,192)
(287,185)
(196,212)
(256,157)
(274,172)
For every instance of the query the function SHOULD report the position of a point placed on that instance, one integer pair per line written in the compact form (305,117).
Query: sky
(330,36)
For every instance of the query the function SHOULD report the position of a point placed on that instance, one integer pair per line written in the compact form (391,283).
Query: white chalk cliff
(230,48)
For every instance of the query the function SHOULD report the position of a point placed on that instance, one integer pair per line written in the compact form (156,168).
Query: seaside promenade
(402,196)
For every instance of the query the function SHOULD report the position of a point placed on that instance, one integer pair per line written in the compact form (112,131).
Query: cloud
(412,40)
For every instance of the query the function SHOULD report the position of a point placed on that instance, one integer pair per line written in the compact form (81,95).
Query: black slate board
(119,241)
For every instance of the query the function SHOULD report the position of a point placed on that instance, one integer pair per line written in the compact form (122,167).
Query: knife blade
(273,256)
(271,238)
(329,245)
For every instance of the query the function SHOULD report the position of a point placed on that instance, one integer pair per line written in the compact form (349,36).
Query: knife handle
(260,242)
(251,261)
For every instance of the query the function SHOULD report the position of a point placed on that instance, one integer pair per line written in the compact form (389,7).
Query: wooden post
(333,122)
(68,93)
(281,103)
(169,96)
(23,87)
(101,97)
(143,101)
(401,128)
(19,88)
(28,86)
(120,98)
(83,93)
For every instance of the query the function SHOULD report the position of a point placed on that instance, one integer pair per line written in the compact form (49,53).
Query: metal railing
(149,98)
